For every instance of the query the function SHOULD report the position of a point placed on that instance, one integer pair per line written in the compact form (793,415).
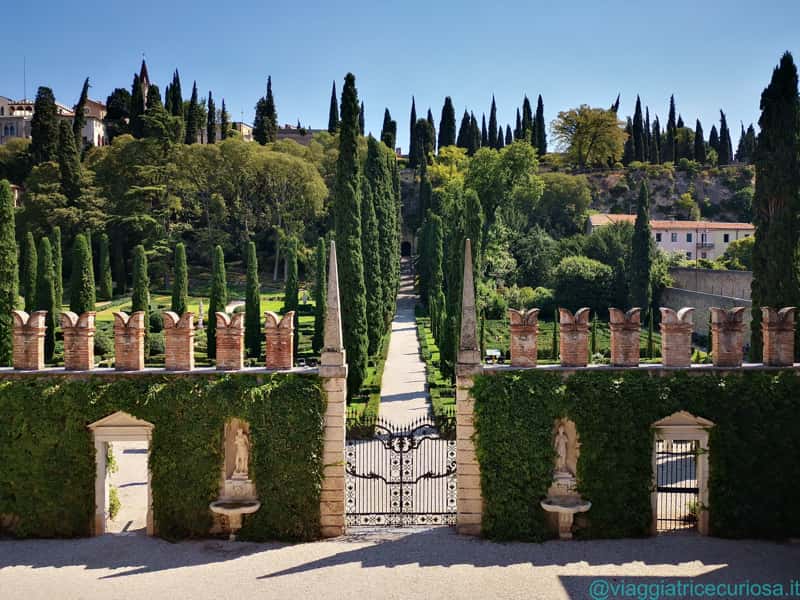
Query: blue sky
(710,54)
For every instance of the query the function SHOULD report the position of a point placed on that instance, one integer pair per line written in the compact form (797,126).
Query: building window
(673,237)
(704,255)
(746,235)
(688,237)
(689,255)
(726,237)
(658,238)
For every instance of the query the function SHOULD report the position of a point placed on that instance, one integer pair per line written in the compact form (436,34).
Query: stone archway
(117,427)
(684,428)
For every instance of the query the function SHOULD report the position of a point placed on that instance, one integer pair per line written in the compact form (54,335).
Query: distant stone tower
(144,81)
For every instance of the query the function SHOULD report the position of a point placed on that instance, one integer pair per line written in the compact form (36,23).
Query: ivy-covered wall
(47,464)
(754,448)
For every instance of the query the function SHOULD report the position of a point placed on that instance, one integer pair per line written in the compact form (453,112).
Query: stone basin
(234,509)
(566,509)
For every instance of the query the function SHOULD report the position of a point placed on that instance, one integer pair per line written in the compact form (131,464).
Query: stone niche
(236,485)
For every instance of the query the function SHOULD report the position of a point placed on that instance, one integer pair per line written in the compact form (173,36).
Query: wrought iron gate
(401,477)
(676,484)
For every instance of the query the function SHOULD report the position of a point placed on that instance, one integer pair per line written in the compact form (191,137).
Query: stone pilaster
(178,341)
(676,337)
(230,341)
(573,337)
(78,340)
(333,371)
(28,340)
(624,328)
(727,327)
(279,333)
(524,331)
(129,341)
(777,333)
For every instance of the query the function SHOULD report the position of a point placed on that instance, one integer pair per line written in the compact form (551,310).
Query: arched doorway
(405,249)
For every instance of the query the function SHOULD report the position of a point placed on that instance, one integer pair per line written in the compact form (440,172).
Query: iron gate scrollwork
(401,477)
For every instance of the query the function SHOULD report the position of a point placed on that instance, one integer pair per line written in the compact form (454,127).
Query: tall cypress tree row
(140,298)
(372,267)
(492,139)
(320,297)
(638,132)
(211,122)
(82,290)
(540,128)
(192,118)
(642,251)
(44,127)
(333,112)
(218,300)
(347,219)
(69,163)
(447,124)
(28,272)
(412,144)
(389,130)
(46,296)
(9,274)
(79,120)
(527,120)
(137,108)
(224,122)
(252,305)
(725,146)
(777,199)
(699,143)
(484,134)
(105,285)
(462,141)
(58,268)
(180,281)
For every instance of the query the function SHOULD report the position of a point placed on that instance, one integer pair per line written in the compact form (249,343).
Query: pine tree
(776,199)
(412,144)
(389,130)
(725,147)
(252,305)
(641,257)
(540,128)
(218,300)
(372,267)
(58,268)
(44,127)
(9,275)
(462,141)
(333,112)
(224,122)
(699,143)
(347,219)
(211,122)
(180,281)
(484,134)
(447,124)
(638,132)
(79,120)
(105,285)
(192,118)
(82,291)
(137,108)
(320,297)
(69,163)
(492,139)
(713,139)
(45,296)
(28,272)
(527,119)
(509,137)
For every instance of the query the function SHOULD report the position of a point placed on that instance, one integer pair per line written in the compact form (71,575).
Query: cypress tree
(176,94)
(320,297)
(500,141)
(137,108)
(424,140)
(680,124)
(776,200)
(44,127)
(79,120)
(28,272)
(647,133)
(389,130)
(82,291)
(140,298)
(361,125)
(509,137)
(638,132)
(474,142)
(713,139)
(58,268)
(436,299)
(615,105)
(518,127)
(462,141)
(372,267)
(180,281)
(425,189)
(153,99)
(655,143)
(447,124)
(69,163)
(540,128)
(492,139)
(432,126)
(292,288)
(333,112)
(218,300)
(484,134)
(412,144)
(668,152)
(554,339)
(252,305)
(270,114)
(105,285)
(347,219)
(9,274)
(750,143)
(699,143)
(527,120)
(628,154)
(45,296)
(224,124)
(192,118)
(741,149)
(211,122)
(641,257)
(725,147)
(168,99)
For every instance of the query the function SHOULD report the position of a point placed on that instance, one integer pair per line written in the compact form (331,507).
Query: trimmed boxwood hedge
(754,448)
(48,467)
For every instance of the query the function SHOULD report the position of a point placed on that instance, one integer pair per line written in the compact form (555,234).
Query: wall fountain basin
(565,508)
(234,509)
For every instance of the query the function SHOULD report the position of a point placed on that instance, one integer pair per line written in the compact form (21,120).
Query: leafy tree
(333,112)
(140,298)
(28,272)
(106,286)
(45,296)
(211,123)
(413,155)
(638,132)
(564,203)
(192,117)
(492,139)
(44,127)
(699,143)
(180,281)
(224,124)
(590,136)
(79,120)
(58,267)
(9,275)
(389,130)
(539,128)
(447,125)
(536,254)
(347,218)
(82,290)
(69,163)
(611,245)
(775,204)
(372,268)
(252,307)
(581,281)
(218,300)
(642,250)
(320,297)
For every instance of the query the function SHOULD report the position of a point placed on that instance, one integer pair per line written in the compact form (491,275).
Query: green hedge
(754,448)
(48,465)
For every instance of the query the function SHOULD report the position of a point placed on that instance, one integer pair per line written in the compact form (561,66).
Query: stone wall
(733,284)
(677,298)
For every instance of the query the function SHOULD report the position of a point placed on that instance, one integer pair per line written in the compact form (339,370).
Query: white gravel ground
(434,563)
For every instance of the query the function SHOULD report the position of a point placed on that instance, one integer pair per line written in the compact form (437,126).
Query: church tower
(144,81)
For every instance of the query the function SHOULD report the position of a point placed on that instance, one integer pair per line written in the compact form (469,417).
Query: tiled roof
(598,220)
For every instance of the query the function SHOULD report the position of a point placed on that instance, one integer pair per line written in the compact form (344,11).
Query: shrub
(103,343)
(156,321)
(581,281)
(496,306)
(155,342)
(544,299)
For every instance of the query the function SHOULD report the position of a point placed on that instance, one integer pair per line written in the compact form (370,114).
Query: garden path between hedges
(430,564)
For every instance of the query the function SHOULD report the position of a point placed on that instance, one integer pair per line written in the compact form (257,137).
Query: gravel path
(434,563)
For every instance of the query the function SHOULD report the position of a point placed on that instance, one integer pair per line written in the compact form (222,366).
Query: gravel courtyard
(434,563)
